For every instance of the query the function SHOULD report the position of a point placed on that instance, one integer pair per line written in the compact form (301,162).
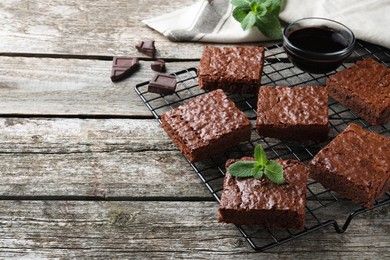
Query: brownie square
(233,69)
(355,164)
(365,89)
(250,201)
(206,125)
(293,113)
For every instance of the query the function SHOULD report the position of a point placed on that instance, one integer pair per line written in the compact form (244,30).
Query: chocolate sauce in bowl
(317,49)
(317,39)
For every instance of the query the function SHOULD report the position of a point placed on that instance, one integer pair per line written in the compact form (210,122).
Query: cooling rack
(278,71)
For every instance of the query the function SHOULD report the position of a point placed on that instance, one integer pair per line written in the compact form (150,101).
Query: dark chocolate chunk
(158,65)
(146,47)
(162,83)
(123,67)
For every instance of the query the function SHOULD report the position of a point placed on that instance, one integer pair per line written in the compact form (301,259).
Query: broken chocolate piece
(146,47)
(162,83)
(158,65)
(123,67)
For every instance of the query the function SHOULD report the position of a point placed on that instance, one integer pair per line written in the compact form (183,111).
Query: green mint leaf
(256,169)
(253,5)
(258,8)
(264,3)
(259,171)
(274,172)
(243,169)
(270,26)
(264,14)
(272,6)
(248,21)
(239,13)
(260,155)
(241,3)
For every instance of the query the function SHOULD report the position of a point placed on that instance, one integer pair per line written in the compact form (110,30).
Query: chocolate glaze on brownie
(233,69)
(293,113)
(355,164)
(365,89)
(249,201)
(206,125)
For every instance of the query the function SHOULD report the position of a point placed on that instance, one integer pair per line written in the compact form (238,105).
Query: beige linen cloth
(211,20)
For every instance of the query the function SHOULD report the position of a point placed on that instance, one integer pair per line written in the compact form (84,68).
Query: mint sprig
(271,169)
(264,14)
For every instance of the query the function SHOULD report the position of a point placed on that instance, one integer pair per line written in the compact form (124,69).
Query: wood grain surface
(86,172)
(164,229)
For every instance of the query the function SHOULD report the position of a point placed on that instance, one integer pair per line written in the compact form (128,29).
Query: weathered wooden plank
(101,158)
(118,174)
(72,135)
(97,158)
(82,87)
(36,86)
(87,27)
(152,229)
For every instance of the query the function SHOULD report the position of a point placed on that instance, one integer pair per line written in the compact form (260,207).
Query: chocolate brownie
(355,164)
(293,113)
(206,125)
(365,89)
(250,201)
(234,69)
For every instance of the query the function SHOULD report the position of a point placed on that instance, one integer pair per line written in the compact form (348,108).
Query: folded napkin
(211,20)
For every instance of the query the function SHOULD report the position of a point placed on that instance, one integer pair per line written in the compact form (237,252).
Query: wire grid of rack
(278,71)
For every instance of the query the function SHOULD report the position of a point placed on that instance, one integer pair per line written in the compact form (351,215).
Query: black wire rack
(278,71)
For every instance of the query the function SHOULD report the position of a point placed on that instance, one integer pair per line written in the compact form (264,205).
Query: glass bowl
(317,45)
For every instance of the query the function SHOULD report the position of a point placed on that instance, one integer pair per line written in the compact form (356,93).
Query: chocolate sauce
(316,39)
(318,49)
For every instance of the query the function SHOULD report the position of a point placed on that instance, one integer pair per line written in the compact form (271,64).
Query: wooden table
(85,170)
